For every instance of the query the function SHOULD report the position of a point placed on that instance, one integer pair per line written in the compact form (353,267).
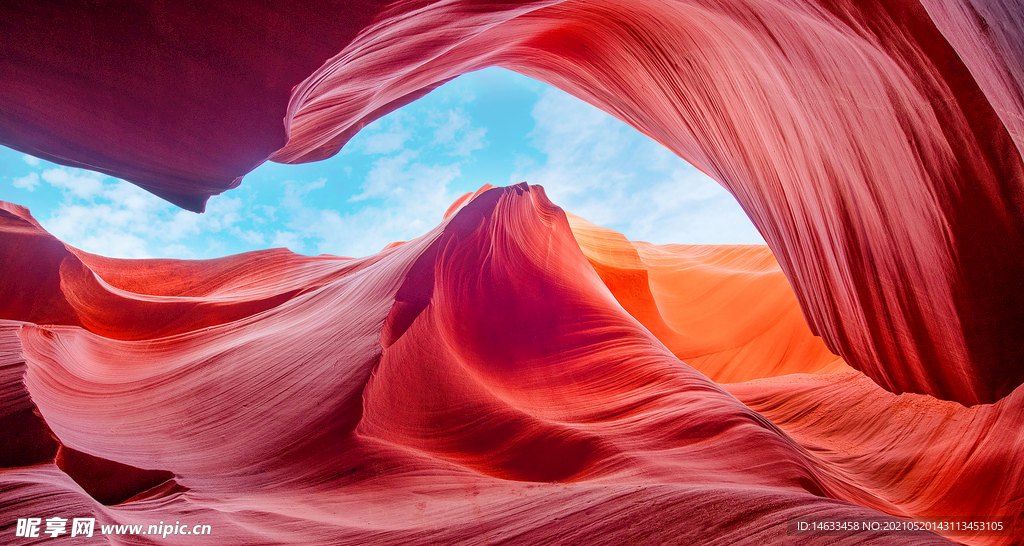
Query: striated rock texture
(876,144)
(508,377)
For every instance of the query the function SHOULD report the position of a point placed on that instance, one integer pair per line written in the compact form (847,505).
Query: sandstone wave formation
(518,374)
(514,375)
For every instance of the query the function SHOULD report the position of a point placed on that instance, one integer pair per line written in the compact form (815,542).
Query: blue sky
(395,179)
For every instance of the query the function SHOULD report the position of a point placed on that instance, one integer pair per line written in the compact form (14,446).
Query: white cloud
(408,199)
(251,237)
(83,184)
(288,239)
(380,181)
(294,192)
(114,218)
(115,244)
(445,134)
(457,134)
(604,171)
(116,221)
(177,250)
(27,182)
(472,139)
(386,135)
(33,161)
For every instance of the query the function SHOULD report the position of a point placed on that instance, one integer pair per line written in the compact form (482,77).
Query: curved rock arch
(876,145)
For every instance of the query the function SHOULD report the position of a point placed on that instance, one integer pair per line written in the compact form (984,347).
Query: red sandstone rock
(875,144)
(480,383)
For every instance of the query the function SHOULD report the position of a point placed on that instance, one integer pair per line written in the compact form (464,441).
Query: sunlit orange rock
(726,310)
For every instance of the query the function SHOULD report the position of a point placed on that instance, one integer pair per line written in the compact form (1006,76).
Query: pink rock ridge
(505,377)
(876,144)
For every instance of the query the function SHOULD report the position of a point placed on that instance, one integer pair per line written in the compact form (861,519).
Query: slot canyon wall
(537,365)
